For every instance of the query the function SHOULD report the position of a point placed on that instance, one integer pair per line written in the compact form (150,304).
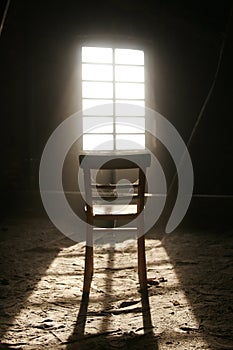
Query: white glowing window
(98,142)
(113,98)
(129,73)
(129,90)
(99,72)
(97,54)
(124,126)
(102,125)
(127,56)
(97,89)
(122,110)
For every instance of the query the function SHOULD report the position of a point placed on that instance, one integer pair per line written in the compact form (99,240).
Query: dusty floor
(41,275)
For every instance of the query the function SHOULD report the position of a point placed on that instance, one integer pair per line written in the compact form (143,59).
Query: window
(113,82)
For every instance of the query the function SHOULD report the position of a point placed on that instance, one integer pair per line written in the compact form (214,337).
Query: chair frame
(113,161)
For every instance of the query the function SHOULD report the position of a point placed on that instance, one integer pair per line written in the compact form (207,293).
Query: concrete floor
(41,276)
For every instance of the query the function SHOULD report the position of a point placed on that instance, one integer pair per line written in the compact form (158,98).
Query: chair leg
(89,264)
(142,263)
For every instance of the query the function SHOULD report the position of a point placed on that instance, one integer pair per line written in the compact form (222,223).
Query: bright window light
(123,125)
(91,125)
(104,107)
(97,54)
(97,89)
(129,73)
(130,142)
(100,72)
(134,109)
(129,90)
(126,56)
(112,79)
(98,142)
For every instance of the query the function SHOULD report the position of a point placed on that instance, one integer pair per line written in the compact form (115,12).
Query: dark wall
(40,73)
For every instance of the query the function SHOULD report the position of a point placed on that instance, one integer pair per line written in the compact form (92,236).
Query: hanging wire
(225,34)
(4,16)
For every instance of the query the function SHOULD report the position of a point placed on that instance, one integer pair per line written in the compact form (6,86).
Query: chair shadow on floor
(105,338)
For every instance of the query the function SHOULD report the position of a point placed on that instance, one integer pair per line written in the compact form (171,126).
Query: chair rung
(135,184)
(115,209)
(113,229)
(123,200)
(115,216)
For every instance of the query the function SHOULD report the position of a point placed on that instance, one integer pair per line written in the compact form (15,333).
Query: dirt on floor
(190,280)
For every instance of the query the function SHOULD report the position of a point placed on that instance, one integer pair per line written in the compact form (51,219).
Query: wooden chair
(103,209)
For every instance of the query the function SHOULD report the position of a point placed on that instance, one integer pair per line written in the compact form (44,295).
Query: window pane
(97,125)
(97,142)
(130,90)
(130,108)
(127,56)
(130,125)
(97,54)
(129,73)
(127,142)
(103,107)
(95,90)
(97,72)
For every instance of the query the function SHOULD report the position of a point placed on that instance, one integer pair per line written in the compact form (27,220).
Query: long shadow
(202,256)
(105,338)
(28,245)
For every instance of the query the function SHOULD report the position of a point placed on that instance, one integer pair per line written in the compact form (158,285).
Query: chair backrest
(113,161)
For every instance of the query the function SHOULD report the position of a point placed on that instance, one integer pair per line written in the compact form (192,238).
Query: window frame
(119,44)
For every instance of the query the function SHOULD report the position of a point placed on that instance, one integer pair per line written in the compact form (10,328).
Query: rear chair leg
(88,273)
(142,263)
(89,264)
